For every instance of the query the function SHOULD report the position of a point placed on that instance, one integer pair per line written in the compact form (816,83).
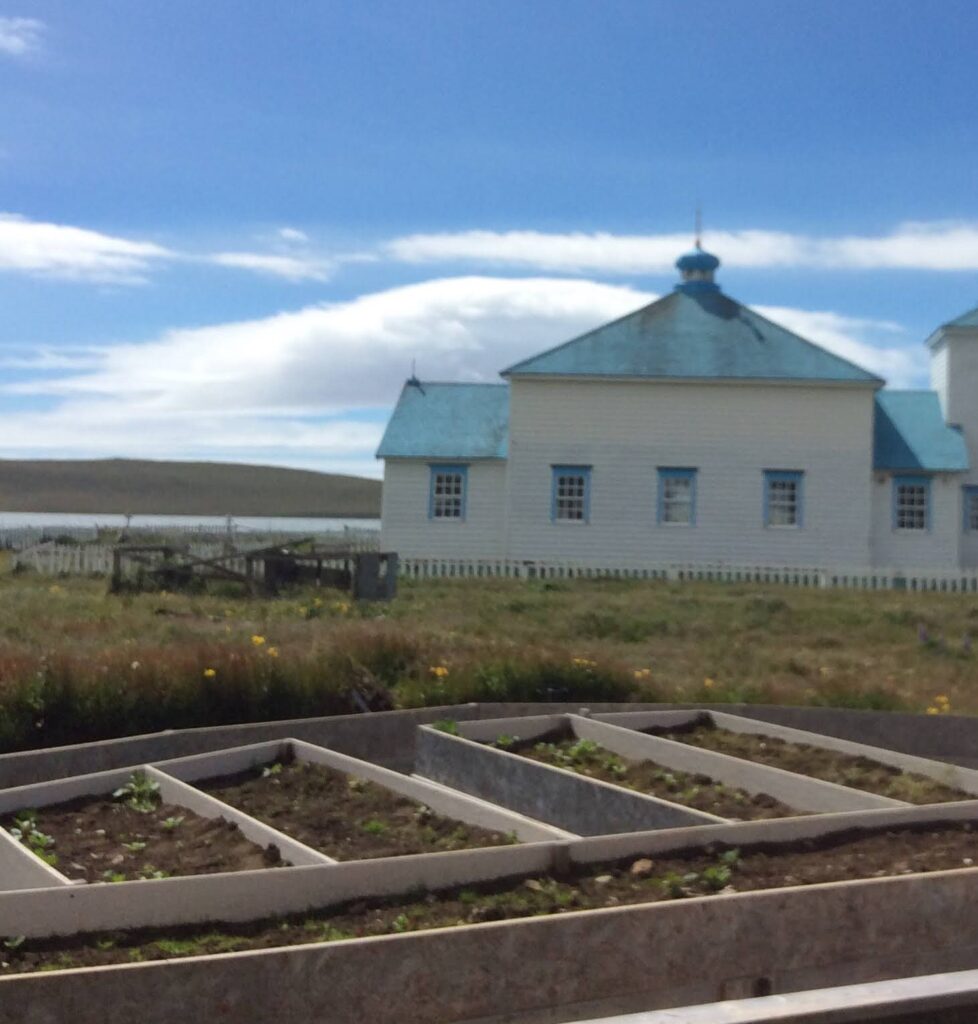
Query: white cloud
(59,250)
(313,387)
(20,36)
(292,235)
(291,268)
(925,246)
(867,343)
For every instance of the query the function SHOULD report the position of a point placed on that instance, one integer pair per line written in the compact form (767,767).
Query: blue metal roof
(694,333)
(969,319)
(448,421)
(909,432)
(697,259)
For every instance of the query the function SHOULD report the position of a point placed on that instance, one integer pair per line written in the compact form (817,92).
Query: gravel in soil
(345,817)
(714,871)
(99,839)
(828,765)
(564,750)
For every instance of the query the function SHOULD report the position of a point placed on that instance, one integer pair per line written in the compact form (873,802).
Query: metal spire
(699,226)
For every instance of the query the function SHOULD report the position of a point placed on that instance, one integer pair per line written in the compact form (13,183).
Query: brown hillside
(182,488)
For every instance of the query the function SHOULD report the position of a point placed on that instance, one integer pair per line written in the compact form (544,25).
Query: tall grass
(77,664)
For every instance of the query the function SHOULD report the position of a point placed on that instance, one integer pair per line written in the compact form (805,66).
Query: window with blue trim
(446,499)
(971,509)
(677,496)
(911,503)
(570,500)
(783,497)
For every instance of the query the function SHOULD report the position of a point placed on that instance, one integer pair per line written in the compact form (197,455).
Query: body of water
(240,524)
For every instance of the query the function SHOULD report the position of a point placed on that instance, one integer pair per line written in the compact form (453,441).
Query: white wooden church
(692,431)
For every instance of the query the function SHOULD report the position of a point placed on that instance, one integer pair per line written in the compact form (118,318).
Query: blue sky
(227,228)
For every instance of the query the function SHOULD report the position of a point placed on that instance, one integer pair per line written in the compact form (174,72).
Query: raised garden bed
(563,749)
(857,772)
(345,816)
(712,870)
(134,835)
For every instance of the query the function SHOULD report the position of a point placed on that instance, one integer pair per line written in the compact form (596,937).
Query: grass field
(79,664)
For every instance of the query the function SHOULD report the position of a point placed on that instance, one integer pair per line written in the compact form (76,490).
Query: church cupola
(696,269)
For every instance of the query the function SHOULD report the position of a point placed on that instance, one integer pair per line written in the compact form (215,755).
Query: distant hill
(182,488)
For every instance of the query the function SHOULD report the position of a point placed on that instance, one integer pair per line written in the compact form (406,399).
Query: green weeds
(141,793)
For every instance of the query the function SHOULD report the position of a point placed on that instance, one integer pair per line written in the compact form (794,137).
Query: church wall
(407,529)
(729,433)
(954,375)
(934,549)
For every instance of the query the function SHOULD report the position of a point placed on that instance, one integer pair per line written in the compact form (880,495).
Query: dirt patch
(564,750)
(101,839)
(828,765)
(714,871)
(345,817)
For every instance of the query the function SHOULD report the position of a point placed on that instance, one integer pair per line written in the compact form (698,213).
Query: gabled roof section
(448,421)
(694,333)
(909,433)
(969,319)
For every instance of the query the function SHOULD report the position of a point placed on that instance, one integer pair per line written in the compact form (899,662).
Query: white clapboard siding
(730,434)
(408,530)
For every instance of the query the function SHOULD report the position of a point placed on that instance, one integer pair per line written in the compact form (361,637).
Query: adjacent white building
(692,431)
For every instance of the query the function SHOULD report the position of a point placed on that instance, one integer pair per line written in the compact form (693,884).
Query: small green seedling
(271,769)
(141,793)
(39,843)
(717,877)
(401,923)
(676,885)
(172,824)
(135,846)
(505,742)
(374,827)
(14,942)
(446,725)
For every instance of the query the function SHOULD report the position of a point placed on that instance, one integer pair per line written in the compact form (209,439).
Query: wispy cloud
(944,246)
(60,250)
(878,345)
(289,267)
(20,36)
(313,386)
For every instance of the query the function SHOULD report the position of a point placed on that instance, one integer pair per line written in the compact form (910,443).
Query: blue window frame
(970,509)
(448,491)
(676,505)
(911,503)
(784,497)
(570,495)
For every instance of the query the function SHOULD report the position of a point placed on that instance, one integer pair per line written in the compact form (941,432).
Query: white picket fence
(964,581)
(95,559)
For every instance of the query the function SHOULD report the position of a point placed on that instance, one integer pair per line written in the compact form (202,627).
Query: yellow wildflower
(642,673)
(709,683)
(54,589)
(941,699)
(273,652)
(257,640)
(209,673)
(438,671)
(933,711)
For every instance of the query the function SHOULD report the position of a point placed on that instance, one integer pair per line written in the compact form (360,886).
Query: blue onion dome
(697,260)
